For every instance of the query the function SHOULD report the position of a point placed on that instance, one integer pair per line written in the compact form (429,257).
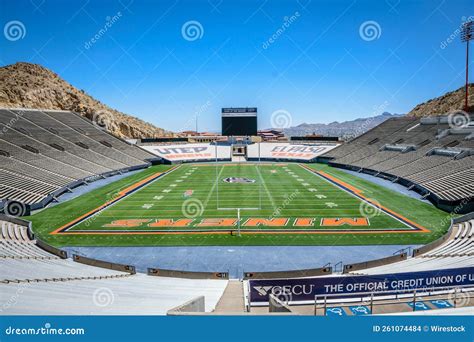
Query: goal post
(238,186)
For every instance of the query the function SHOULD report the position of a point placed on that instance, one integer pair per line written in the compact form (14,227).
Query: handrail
(372,299)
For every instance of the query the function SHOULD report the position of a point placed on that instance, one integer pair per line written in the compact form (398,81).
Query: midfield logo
(238,180)
(188,193)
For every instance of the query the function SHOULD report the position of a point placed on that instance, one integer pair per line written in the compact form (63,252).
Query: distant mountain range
(345,129)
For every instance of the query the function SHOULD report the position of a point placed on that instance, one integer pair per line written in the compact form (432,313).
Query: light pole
(466,36)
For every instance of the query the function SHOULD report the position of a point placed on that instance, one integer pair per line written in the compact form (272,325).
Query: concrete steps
(232,301)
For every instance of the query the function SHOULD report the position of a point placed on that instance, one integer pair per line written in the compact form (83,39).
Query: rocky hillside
(33,86)
(444,104)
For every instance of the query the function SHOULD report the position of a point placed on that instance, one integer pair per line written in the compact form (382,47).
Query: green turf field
(280,204)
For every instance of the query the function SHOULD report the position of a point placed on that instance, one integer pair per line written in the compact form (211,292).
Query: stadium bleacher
(52,285)
(426,155)
(44,153)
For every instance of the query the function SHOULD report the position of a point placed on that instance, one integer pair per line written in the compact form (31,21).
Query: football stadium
(103,214)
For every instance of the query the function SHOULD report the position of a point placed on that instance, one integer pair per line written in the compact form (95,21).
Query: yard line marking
(266,189)
(122,194)
(355,192)
(212,189)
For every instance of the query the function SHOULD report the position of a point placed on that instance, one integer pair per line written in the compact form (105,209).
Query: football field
(243,203)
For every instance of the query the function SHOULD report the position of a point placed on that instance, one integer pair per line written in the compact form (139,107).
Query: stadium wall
(289,274)
(276,305)
(104,264)
(374,263)
(50,249)
(186,274)
(192,306)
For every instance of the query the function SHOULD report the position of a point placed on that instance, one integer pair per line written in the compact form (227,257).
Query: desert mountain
(444,104)
(345,129)
(33,86)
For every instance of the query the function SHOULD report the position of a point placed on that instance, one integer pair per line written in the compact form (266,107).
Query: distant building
(271,135)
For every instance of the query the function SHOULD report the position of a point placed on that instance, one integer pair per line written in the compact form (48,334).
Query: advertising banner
(305,289)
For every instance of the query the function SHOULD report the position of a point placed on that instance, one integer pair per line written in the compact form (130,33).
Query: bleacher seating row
(43,153)
(457,251)
(50,285)
(404,150)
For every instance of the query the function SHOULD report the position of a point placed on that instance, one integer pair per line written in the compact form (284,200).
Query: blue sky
(312,59)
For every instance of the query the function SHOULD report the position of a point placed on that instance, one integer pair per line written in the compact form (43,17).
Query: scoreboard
(239,121)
